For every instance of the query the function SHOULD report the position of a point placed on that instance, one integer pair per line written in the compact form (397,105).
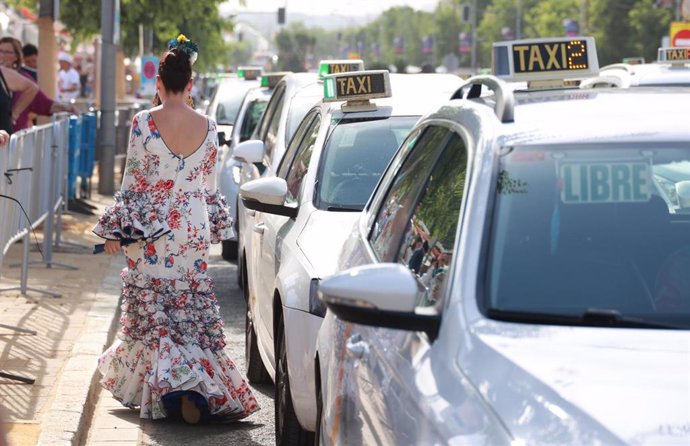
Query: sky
(325,7)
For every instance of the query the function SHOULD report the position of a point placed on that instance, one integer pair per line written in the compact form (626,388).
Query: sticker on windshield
(623,182)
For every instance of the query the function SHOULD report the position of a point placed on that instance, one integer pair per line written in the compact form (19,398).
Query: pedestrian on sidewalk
(30,53)
(68,84)
(11,56)
(169,359)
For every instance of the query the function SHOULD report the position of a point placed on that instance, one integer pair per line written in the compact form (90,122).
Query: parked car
(303,215)
(551,305)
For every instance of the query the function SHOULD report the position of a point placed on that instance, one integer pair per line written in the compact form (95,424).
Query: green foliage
(197,19)
(295,43)
(647,20)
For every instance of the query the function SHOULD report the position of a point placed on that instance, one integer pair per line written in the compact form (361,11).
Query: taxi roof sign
(249,73)
(674,55)
(637,60)
(547,59)
(357,88)
(270,80)
(332,66)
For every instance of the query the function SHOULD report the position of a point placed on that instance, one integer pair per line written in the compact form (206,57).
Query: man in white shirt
(68,79)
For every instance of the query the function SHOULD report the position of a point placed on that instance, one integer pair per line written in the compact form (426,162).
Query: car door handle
(259,228)
(251,212)
(356,347)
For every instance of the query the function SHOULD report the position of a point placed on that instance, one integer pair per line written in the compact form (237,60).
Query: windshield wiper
(343,209)
(592,317)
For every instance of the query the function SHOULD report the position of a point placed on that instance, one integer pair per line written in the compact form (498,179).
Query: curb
(70,413)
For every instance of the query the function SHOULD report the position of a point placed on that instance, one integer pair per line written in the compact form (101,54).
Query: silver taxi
(672,68)
(518,276)
(304,213)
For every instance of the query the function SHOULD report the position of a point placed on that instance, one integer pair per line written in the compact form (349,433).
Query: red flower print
(174,219)
(150,250)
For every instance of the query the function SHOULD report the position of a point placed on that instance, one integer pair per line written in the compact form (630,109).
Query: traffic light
(466,13)
(281,16)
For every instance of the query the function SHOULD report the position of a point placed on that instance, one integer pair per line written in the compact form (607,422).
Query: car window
(427,247)
(300,165)
(396,208)
(592,227)
(289,155)
(269,113)
(254,110)
(356,154)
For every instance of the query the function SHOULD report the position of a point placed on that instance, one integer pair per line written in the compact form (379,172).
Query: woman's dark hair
(29,50)
(17,47)
(175,70)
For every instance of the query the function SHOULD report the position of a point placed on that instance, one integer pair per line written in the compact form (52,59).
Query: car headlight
(236,174)
(316,305)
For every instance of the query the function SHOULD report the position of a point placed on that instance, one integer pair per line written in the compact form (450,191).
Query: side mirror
(250,152)
(222,141)
(267,195)
(381,295)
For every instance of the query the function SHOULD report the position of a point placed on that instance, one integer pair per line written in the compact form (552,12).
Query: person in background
(11,56)
(13,84)
(30,67)
(68,78)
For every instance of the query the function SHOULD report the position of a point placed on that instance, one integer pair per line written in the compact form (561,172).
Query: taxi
(672,68)
(248,116)
(259,156)
(303,215)
(518,276)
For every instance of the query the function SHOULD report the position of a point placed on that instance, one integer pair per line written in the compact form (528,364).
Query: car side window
(272,132)
(429,239)
(300,165)
(295,143)
(276,99)
(396,208)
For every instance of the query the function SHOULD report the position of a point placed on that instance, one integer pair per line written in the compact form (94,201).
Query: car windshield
(356,154)
(585,229)
(254,110)
(230,96)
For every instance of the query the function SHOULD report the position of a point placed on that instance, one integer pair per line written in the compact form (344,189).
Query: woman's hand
(112,247)
(4,137)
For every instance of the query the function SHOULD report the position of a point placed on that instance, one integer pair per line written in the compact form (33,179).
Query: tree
(652,22)
(198,19)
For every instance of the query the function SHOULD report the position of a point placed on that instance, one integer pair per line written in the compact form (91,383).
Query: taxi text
(605,182)
(550,56)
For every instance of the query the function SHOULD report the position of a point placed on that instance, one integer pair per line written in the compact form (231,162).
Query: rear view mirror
(222,141)
(250,152)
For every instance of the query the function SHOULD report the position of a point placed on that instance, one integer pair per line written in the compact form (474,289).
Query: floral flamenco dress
(171,338)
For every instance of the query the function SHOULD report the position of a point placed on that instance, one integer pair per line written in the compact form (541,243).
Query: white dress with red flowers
(171,336)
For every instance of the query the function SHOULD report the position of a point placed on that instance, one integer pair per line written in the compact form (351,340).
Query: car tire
(229,250)
(319,434)
(241,273)
(256,372)
(288,429)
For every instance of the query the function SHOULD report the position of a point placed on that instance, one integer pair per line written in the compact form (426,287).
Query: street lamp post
(109,36)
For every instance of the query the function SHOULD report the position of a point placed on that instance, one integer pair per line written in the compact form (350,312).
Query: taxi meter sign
(270,80)
(680,55)
(622,182)
(543,59)
(356,86)
(249,73)
(327,67)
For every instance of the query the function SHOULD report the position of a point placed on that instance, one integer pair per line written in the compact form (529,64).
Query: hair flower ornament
(186,45)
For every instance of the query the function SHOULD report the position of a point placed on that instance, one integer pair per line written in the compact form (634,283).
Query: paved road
(258,429)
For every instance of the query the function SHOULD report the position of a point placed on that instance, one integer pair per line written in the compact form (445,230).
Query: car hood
(322,238)
(583,385)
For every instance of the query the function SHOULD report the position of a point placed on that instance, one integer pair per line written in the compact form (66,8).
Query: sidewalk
(72,331)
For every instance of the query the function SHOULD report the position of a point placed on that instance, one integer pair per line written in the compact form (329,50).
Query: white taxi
(259,157)
(671,69)
(304,213)
(518,276)
(248,116)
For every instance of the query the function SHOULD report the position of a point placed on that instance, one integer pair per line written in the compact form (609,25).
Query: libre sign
(680,34)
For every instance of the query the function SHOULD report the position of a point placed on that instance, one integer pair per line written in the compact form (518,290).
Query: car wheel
(229,250)
(288,429)
(256,372)
(319,434)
